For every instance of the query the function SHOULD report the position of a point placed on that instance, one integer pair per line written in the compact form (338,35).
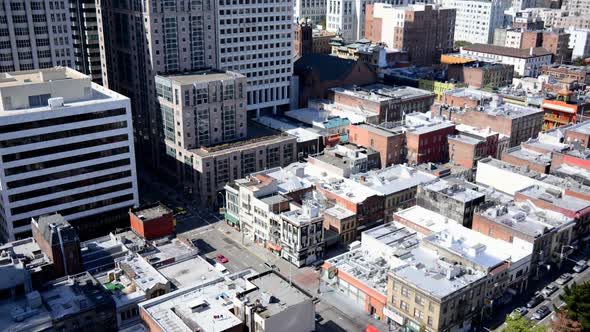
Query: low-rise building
(426,139)
(345,160)
(549,232)
(397,184)
(517,122)
(152,221)
(479,74)
(536,161)
(387,107)
(333,128)
(526,62)
(451,199)
(389,143)
(409,99)
(580,74)
(471,144)
(375,55)
(301,234)
(342,222)
(309,140)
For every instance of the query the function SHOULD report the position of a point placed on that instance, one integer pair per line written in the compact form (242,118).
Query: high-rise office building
(476,20)
(141,39)
(85,38)
(35,34)
(314,11)
(255,39)
(66,146)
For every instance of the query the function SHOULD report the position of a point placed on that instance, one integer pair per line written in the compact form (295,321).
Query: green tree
(461,43)
(577,303)
(579,61)
(517,323)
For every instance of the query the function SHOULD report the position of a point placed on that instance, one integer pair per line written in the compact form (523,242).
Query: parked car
(549,289)
(541,312)
(270,266)
(221,259)
(534,301)
(563,279)
(521,311)
(580,266)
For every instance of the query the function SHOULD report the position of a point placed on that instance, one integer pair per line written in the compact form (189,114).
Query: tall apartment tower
(314,11)
(141,39)
(67,147)
(424,31)
(35,34)
(255,39)
(476,20)
(85,38)
(347,17)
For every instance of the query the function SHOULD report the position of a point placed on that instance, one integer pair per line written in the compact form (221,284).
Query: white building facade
(476,20)
(311,10)
(255,39)
(579,42)
(526,62)
(66,146)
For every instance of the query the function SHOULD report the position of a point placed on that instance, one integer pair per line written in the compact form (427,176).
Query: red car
(220,258)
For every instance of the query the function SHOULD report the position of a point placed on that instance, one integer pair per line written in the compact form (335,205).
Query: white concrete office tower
(476,20)
(85,38)
(347,17)
(312,10)
(66,146)
(35,34)
(255,38)
(579,42)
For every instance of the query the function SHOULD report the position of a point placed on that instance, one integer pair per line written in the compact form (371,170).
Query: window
(429,321)
(403,305)
(38,100)
(418,314)
(405,291)
(419,300)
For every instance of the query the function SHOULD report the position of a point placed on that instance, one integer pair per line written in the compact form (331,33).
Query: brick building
(522,221)
(302,39)
(479,74)
(59,241)
(318,73)
(471,144)
(389,143)
(321,41)
(521,156)
(342,222)
(424,31)
(387,107)
(580,74)
(573,207)
(518,122)
(152,221)
(426,140)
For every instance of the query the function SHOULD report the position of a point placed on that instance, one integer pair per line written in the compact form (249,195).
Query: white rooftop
(476,131)
(361,94)
(190,272)
(339,212)
(568,203)
(454,190)
(393,179)
(527,218)
(289,178)
(302,134)
(196,307)
(145,276)
(529,155)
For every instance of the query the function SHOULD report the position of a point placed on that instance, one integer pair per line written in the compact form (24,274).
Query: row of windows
(71,198)
(67,174)
(65,161)
(64,148)
(63,134)
(68,186)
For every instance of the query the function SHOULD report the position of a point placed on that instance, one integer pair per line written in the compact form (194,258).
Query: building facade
(85,38)
(476,20)
(35,34)
(67,147)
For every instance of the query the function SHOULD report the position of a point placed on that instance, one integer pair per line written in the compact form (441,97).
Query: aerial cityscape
(295,165)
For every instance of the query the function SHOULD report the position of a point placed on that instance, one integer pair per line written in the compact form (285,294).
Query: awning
(231,218)
(371,328)
(273,247)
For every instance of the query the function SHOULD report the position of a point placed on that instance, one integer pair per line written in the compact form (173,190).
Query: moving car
(563,279)
(221,259)
(549,289)
(541,312)
(580,266)
(535,301)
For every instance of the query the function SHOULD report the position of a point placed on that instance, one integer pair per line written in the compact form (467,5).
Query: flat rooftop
(529,155)
(36,76)
(368,266)
(475,131)
(546,145)
(190,272)
(144,275)
(522,170)
(526,218)
(568,203)
(401,92)
(465,139)
(258,135)
(393,179)
(435,275)
(165,251)
(152,211)
(191,309)
(202,76)
(348,189)
(361,93)
(582,128)
(309,212)
(288,127)
(317,118)
(453,190)
(34,318)
(283,295)
(339,212)
(379,131)
(290,178)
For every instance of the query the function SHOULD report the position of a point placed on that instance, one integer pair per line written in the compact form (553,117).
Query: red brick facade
(427,147)
(389,146)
